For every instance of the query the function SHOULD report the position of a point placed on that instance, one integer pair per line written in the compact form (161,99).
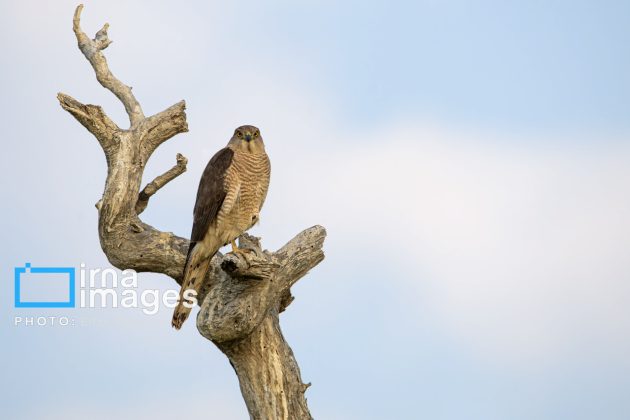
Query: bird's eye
(239,134)
(256,134)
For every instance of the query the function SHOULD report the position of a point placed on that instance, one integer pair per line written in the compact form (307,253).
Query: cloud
(518,240)
(522,249)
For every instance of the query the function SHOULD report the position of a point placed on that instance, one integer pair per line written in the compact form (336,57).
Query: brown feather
(210,196)
(211,193)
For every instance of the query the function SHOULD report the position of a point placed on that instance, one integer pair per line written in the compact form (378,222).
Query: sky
(469,160)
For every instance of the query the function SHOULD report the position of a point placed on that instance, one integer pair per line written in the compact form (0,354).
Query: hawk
(231,193)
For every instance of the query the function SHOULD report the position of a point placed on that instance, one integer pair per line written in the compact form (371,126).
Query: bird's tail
(197,264)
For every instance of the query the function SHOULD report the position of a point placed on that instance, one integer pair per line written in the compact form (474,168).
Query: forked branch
(160,181)
(91,49)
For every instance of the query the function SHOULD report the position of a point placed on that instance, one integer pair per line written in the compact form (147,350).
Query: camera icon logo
(44,287)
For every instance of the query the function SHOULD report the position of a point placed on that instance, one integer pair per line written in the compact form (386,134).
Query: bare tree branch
(234,308)
(93,118)
(160,127)
(91,49)
(153,186)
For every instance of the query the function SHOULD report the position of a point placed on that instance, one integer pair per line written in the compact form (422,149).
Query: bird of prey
(231,193)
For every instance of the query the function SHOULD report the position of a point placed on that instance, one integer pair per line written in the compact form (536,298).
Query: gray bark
(243,294)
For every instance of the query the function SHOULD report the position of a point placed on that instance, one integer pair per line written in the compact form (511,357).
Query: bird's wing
(264,183)
(211,193)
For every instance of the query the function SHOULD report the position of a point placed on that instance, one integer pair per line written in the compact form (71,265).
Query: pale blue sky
(477,152)
(514,64)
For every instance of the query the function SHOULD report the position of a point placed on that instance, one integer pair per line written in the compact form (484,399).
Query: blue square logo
(44,287)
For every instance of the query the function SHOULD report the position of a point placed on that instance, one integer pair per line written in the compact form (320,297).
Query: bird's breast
(253,172)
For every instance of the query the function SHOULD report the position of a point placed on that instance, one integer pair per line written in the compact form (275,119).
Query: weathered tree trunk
(243,295)
(268,373)
(247,329)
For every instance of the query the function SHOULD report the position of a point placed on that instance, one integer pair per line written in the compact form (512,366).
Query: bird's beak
(248,137)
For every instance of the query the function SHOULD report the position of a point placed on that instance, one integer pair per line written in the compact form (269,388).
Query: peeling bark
(242,295)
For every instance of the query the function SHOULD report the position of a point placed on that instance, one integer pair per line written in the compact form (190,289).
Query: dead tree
(243,295)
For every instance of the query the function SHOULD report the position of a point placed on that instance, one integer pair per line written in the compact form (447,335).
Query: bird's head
(247,138)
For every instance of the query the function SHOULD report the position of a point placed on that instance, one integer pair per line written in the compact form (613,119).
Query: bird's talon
(236,250)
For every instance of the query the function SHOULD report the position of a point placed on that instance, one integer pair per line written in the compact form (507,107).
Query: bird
(231,193)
